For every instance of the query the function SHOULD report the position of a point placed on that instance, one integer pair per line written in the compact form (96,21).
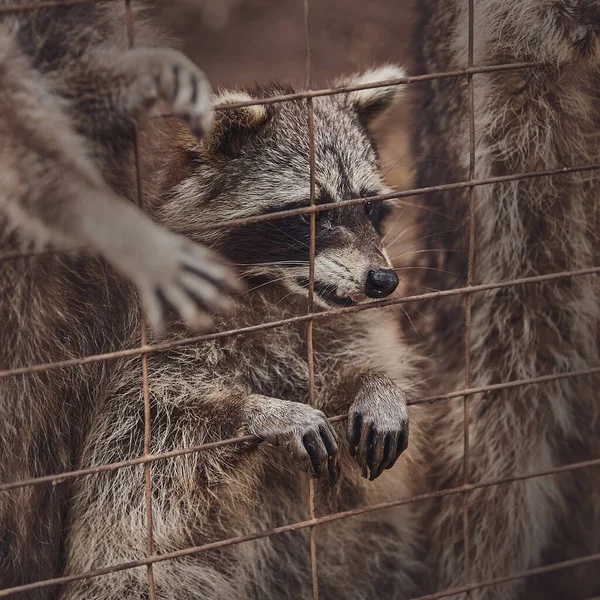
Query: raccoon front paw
(377,427)
(168,75)
(301,430)
(168,269)
(187,277)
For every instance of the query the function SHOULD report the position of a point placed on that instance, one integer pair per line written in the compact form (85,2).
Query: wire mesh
(467,292)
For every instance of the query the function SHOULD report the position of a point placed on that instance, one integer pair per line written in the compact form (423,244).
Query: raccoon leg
(377,424)
(52,193)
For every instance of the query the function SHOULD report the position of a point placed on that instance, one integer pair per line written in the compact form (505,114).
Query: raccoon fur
(72,94)
(255,161)
(525,120)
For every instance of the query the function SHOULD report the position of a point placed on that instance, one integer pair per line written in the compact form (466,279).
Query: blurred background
(242,42)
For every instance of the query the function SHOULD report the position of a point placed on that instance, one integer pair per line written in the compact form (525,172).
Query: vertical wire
(311,288)
(468,323)
(144,341)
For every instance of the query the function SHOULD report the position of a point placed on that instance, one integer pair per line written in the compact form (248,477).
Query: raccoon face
(257,162)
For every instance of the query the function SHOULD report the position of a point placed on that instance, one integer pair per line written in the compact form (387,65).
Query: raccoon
(72,93)
(255,161)
(525,120)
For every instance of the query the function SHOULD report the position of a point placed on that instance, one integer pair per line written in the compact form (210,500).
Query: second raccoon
(255,162)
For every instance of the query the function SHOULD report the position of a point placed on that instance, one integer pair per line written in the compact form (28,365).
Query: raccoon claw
(322,452)
(194,288)
(377,434)
(304,432)
(168,75)
(166,268)
(314,448)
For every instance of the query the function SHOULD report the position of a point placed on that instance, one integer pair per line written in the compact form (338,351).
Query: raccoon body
(525,120)
(255,161)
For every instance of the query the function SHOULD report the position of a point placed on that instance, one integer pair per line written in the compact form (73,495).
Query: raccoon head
(256,162)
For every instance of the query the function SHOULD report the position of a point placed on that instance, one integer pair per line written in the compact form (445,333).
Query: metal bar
(328,314)
(328,519)
(310,355)
(574,562)
(384,83)
(397,195)
(65,476)
(143,341)
(241,222)
(468,298)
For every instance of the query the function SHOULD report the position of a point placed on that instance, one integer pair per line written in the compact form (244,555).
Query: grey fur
(60,305)
(259,384)
(71,95)
(526,120)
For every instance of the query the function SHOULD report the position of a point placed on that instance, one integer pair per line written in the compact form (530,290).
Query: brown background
(264,40)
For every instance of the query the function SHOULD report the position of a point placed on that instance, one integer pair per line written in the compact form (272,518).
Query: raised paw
(168,269)
(377,427)
(300,429)
(193,284)
(168,75)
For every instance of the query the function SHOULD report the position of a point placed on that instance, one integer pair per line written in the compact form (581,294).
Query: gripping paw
(303,431)
(165,74)
(377,426)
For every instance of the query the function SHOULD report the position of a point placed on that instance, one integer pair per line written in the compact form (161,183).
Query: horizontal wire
(331,91)
(16,8)
(328,519)
(396,195)
(68,475)
(566,564)
(329,314)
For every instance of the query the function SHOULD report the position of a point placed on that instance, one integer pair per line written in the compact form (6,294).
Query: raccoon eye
(306,217)
(369,209)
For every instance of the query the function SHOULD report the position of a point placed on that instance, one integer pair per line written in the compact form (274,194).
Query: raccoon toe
(322,452)
(301,430)
(167,269)
(197,287)
(187,90)
(376,447)
(185,304)
(199,262)
(193,103)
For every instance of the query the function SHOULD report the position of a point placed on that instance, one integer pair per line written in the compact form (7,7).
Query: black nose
(381,283)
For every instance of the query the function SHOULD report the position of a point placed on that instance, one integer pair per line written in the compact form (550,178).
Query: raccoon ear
(372,102)
(233,127)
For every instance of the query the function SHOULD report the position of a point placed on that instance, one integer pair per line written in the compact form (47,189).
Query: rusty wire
(144,350)
(292,212)
(328,519)
(249,439)
(320,316)
(468,298)
(143,342)
(310,354)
